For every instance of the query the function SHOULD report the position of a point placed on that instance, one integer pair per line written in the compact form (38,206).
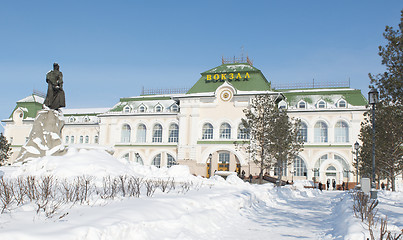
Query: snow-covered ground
(197,208)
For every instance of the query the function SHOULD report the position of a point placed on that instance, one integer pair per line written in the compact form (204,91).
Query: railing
(313,84)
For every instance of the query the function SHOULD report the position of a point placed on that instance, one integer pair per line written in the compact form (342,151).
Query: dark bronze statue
(55,96)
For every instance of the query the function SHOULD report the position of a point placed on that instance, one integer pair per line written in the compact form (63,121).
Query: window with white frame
(96,139)
(126,132)
(225,131)
(141,133)
(157,133)
(320,132)
(170,161)
(321,104)
(81,139)
(302,104)
(72,119)
(66,139)
(173,133)
(243,132)
(158,108)
(87,139)
(300,167)
(223,157)
(207,131)
(175,108)
(86,119)
(342,104)
(282,104)
(142,109)
(303,132)
(157,161)
(72,139)
(126,109)
(341,132)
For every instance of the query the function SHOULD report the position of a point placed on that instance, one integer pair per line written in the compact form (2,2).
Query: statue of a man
(55,96)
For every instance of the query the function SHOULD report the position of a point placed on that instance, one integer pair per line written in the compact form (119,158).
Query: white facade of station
(204,123)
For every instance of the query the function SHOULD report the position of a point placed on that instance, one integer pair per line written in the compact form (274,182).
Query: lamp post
(292,179)
(137,157)
(356,147)
(373,100)
(210,156)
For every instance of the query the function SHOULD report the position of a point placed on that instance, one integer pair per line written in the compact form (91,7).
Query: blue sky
(111,49)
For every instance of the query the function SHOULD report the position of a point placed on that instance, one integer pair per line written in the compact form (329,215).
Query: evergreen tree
(5,150)
(388,113)
(390,83)
(274,137)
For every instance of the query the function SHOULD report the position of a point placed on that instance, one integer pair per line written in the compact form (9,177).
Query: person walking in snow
(328,184)
(320,186)
(334,184)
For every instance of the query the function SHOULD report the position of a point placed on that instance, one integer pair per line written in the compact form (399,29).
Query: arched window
(126,132)
(67,139)
(173,133)
(72,119)
(299,167)
(341,132)
(142,109)
(342,104)
(225,131)
(141,133)
(157,161)
(207,131)
(81,139)
(170,161)
(126,109)
(86,119)
(282,104)
(320,132)
(96,139)
(175,108)
(157,133)
(87,139)
(72,139)
(302,104)
(243,133)
(303,132)
(321,104)
(158,108)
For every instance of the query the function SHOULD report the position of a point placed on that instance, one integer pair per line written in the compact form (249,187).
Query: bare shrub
(150,187)
(134,186)
(6,194)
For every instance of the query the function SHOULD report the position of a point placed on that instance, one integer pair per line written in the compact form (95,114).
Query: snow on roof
(32,98)
(72,111)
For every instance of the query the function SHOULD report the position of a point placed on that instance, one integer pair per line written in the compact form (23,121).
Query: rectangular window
(223,157)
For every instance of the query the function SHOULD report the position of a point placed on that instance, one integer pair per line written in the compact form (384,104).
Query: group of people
(320,185)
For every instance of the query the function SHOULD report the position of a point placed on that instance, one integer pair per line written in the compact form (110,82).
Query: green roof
(30,107)
(352,96)
(242,76)
(123,101)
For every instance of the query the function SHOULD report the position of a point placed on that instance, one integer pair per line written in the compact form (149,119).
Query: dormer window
(175,108)
(142,109)
(86,119)
(126,109)
(72,119)
(282,105)
(321,104)
(302,105)
(158,108)
(342,104)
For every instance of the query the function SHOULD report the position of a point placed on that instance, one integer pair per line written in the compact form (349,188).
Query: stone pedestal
(45,137)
